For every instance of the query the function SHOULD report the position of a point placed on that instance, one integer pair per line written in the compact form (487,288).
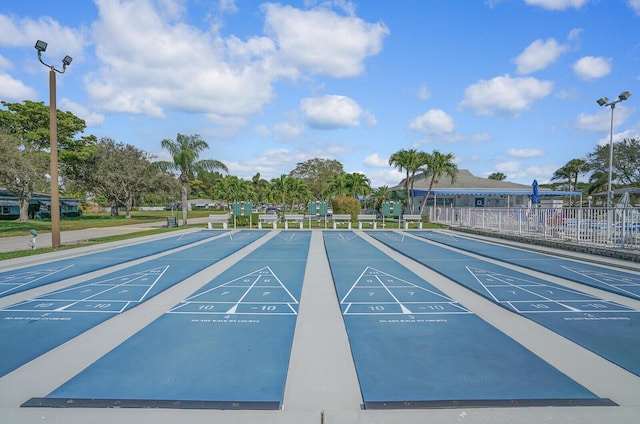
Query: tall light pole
(41,46)
(604,101)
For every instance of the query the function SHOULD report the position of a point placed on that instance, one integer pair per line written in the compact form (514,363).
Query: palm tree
(358,184)
(280,189)
(339,185)
(571,171)
(231,188)
(298,190)
(498,176)
(260,187)
(437,165)
(411,161)
(381,194)
(185,152)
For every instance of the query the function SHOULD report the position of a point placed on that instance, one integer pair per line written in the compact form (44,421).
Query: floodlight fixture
(604,101)
(66,61)
(41,46)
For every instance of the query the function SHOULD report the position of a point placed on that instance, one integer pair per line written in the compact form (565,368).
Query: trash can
(172,221)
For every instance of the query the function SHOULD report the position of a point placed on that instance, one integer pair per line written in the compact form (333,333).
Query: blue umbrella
(536,196)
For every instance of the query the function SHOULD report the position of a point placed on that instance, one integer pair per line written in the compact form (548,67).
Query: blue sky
(505,85)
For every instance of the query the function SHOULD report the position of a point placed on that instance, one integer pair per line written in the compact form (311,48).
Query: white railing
(606,227)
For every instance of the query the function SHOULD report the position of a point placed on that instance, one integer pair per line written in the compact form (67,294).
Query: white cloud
(154,65)
(331,112)
(90,118)
(538,55)
(505,95)
(508,167)
(434,121)
(526,153)
(287,131)
(228,6)
(375,161)
(12,89)
(262,130)
(601,120)
(387,177)
(635,5)
(557,4)
(321,41)
(590,67)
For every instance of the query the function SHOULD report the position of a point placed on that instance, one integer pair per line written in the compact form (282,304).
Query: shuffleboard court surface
(30,328)
(414,347)
(606,328)
(227,346)
(624,283)
(26,278)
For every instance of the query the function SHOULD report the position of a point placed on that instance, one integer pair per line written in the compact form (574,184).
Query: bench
(295,218)
(268,218)
(412,218)
(365,218)
(341,219)
(218,219)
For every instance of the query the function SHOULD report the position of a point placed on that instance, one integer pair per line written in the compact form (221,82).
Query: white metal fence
(613,227)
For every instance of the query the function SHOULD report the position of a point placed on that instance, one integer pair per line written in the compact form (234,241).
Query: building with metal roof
(469,190)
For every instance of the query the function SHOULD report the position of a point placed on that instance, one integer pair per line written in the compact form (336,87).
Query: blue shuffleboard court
(605,328)
(227,346)
(625,283)
(26,278)
(414,347)
(32,327)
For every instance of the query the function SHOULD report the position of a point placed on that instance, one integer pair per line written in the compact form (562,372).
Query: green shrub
(344,205)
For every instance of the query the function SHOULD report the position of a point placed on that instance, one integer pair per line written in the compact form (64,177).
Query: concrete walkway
(11,244)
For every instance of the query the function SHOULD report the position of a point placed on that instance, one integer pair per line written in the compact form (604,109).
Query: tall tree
(409,160)
(571,171)
(21,171)
(381,194)
(260,186)
(358,184)
(339,186)
(317,173)
(279,188)
(626,162)
(232,188)
(438,165)
(27,125)
(119,172)
(298,191)
(185,152)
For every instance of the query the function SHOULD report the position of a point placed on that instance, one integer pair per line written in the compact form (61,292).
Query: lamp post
(41,46)
(604,101)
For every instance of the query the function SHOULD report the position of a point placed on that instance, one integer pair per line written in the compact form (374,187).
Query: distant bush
(344,205)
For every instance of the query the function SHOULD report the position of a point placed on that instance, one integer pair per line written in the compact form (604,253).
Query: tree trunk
(185,204)
(24,209)
(114,209)
(129,206)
